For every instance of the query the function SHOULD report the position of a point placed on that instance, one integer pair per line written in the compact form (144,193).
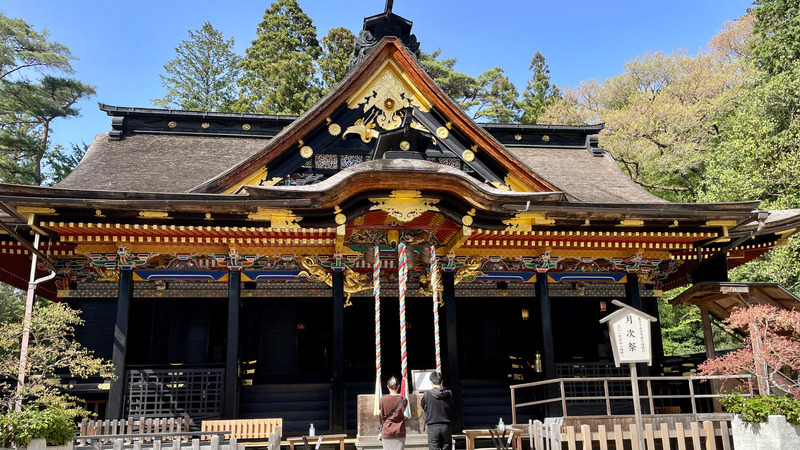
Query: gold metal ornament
(405,146)
(468,156)
(340,219)
(306,152)
(466,220)
(469,271)
(246,127)
(546,138)
(334,129)
(205,125)
(365,129)
(172,124)
(442,133)
(389,94)
(517,137)
(404,205)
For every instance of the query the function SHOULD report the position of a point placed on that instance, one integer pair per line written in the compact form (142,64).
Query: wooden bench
(313,441)
(245,428)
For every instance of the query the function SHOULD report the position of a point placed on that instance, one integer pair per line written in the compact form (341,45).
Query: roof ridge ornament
(379,26)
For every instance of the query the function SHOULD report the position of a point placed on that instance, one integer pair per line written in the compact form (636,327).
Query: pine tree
(540,93)
(279,72)
(203,75)
(337,50)
(30,102)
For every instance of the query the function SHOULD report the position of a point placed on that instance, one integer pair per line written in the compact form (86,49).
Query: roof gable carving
(387,97)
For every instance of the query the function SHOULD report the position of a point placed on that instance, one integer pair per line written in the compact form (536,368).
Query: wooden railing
(549,387)
(702,435)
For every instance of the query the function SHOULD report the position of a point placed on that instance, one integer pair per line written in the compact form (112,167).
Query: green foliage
(55,425)
(778,27)
(203,75)
(12,304)
(278,68)
(63,161)
(758,408)
(495,99)
(458,85)
(28,107)
(52,350)
(682,329)
(539,93)
(23,48)
(338,47)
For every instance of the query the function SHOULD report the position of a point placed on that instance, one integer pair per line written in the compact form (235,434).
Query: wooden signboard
(629,330)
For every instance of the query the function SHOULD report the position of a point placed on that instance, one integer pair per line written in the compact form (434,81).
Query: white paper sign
(631,339)
(629,331)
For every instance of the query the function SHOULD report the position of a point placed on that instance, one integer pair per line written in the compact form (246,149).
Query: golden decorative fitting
(517,137)
(334,129)
(208,217)
(27,210)
(404,146)
(674,224)
(468,156)
(466,220)
(404,205)
(172,124)
(355,282)
(98,213)
(306,152)
(365,129)
(469,271)
(500,186)
(300,143)
(546,138)
(631,223)
(586,223)
(277,218)
(425,287)
(205,125)
(246,127)
(340,219)
(474,148)
(337,209)
(154,215)
(442,133)
(471,212)
(314,272)
(525,221)
(449,125)
(389,93)
(111,274)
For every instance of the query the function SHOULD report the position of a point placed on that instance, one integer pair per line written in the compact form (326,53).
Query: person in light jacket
(393,421)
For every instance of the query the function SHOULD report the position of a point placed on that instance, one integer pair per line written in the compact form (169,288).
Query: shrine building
(227,263)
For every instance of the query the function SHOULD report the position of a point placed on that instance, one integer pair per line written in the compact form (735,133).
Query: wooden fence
(120,443)
(134,426)
(557,391)
(702,435)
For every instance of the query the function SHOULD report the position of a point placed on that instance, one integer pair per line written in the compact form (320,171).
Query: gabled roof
(389,57)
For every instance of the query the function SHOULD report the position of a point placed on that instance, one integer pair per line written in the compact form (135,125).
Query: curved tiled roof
(157,163)
(583,176)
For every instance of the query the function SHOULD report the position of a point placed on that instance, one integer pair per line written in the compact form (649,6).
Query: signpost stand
(629,330)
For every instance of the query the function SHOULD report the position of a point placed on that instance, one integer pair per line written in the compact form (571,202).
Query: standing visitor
(393,422)
(437,404)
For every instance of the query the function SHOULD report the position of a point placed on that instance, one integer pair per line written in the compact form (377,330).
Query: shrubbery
(55,425)
(758,408)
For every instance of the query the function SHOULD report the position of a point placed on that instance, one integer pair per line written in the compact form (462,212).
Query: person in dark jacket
(393,421)
(437,404)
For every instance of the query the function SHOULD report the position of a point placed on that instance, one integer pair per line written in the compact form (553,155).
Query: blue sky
(123,45)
